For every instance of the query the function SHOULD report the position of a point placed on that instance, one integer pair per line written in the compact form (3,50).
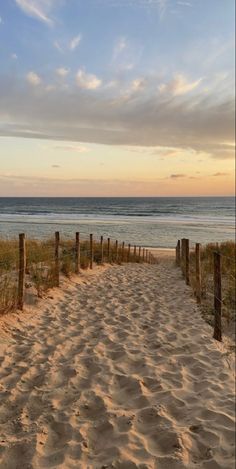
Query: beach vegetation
(40,264)
(228,280)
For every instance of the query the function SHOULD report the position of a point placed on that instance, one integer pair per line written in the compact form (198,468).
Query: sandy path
(120,372)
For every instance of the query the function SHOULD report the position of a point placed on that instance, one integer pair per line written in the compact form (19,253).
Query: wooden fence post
(217,297)
(135,251)
(116,251)
(198,272)
(102,251)
(57,260)
(77,253)
(178,253)
(187,261)
(91,251)
(143,254)
(139,253)
(146,255)
(128,254)
(108,249)
(182,255)
(22,269)
(123,252)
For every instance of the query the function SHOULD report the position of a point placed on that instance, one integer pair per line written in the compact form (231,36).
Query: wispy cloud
(220,174)
(73,148)
(75,42)
(58,46)
(177,176)
(132,91)
(125,54)
(138,84)
(38,9)
(62,72)
(33,78)
(64,46)
(204,125)
(87,81)
(184,4)
(162,5)
(120,45)
(179,86)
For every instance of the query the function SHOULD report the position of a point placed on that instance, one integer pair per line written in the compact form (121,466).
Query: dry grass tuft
(40,264)
(227,251)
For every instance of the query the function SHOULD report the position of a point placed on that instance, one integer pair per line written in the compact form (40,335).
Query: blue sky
(117,78)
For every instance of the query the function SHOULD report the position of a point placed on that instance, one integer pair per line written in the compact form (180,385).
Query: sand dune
(117,370)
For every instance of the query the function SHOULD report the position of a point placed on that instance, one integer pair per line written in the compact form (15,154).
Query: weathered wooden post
(116,251)
(135,253)
(123,252)
(187,278)
(91,251)
(143,254)
(217,297)
(77,253)
(182,255)
(146,255)
(57,260)
(128,254)
(198,272)
(178,253)
(102,251)
(21,273)
(139,253)
(108,249)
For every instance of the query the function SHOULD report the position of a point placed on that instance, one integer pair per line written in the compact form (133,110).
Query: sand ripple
(116,372)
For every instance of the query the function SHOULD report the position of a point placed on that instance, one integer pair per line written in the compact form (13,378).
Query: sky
(117,97)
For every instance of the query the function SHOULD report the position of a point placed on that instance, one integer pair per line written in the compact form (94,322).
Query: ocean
(150,222)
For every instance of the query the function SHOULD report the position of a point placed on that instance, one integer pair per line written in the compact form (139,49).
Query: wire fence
(38,264)
(210,271)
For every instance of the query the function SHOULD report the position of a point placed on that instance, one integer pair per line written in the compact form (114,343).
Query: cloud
(177,176)
(162,5)
(219,151)
(87,81)
(1,20)
(184,4)
(138,84)
(38,9)
(120,45)
(204,125)
(33,78)
(75,42)
(56,166)
(132,91)
(220,174)
(179,86)
(62,72)
(14,56)
(125,54)
(58,46)
(111,84)
(72,147)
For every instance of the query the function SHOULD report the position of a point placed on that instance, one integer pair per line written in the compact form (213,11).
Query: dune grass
(227,251)
(40,264)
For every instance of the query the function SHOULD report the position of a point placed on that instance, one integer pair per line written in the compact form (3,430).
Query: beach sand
(115,370)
